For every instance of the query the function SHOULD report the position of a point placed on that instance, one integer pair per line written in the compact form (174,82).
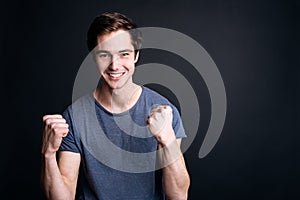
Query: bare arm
(58,177)
(175,174)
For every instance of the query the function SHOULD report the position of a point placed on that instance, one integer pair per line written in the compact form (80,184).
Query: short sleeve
(70,142)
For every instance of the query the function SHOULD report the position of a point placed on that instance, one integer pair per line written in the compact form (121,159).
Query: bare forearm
(176,181)
(176,177)
(52,180)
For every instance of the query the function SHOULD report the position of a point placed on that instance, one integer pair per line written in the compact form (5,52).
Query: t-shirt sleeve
(177,123)
(69,143)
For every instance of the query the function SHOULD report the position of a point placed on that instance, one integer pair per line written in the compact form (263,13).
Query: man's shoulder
(152,94)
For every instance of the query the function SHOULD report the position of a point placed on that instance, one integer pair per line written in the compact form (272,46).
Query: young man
(71,165)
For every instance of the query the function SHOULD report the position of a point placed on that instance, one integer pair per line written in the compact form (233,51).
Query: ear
(136,56)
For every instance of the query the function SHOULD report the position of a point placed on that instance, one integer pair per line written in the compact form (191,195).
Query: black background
(255,45)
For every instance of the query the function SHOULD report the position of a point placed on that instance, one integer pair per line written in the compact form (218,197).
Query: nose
(114,65)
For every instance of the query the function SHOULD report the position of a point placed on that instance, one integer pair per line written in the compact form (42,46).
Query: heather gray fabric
(97,180)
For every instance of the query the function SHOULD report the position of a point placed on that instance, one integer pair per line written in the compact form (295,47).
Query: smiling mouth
(116,75)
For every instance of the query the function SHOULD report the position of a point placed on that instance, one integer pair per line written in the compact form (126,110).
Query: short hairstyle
(110,22)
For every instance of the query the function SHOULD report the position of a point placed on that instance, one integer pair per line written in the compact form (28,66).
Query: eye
(103,55)
(124,54)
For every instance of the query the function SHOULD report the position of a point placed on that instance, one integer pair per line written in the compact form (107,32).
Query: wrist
(49,155)
(168,154)
(165,138)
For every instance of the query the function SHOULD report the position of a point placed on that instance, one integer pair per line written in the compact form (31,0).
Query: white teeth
(116,75)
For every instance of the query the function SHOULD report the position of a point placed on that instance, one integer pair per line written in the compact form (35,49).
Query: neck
(117,100)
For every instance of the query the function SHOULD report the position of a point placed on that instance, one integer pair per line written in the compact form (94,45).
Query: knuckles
(55,128)
(56,125)
(159,117)
(159,112)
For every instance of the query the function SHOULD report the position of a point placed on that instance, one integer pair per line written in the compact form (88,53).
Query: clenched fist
(160,124)
(55,129)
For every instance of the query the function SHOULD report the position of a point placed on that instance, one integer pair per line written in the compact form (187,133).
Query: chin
(114,86)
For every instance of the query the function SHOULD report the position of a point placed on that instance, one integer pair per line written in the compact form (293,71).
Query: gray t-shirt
(118,153)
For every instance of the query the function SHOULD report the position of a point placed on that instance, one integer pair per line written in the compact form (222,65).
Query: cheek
(101,69)
(101,66)
(129,64)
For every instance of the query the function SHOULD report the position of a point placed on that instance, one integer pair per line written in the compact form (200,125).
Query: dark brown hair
(110,22)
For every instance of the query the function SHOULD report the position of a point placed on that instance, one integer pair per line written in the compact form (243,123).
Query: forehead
(114,41)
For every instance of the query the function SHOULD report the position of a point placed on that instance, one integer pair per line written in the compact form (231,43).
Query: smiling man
(70,168)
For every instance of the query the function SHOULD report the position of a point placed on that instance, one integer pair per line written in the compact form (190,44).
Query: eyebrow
(121,51)
(125,50)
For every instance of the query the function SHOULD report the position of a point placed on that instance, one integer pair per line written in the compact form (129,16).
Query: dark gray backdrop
(255,45)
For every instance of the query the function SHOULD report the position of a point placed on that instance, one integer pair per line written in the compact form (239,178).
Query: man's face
(115,58)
